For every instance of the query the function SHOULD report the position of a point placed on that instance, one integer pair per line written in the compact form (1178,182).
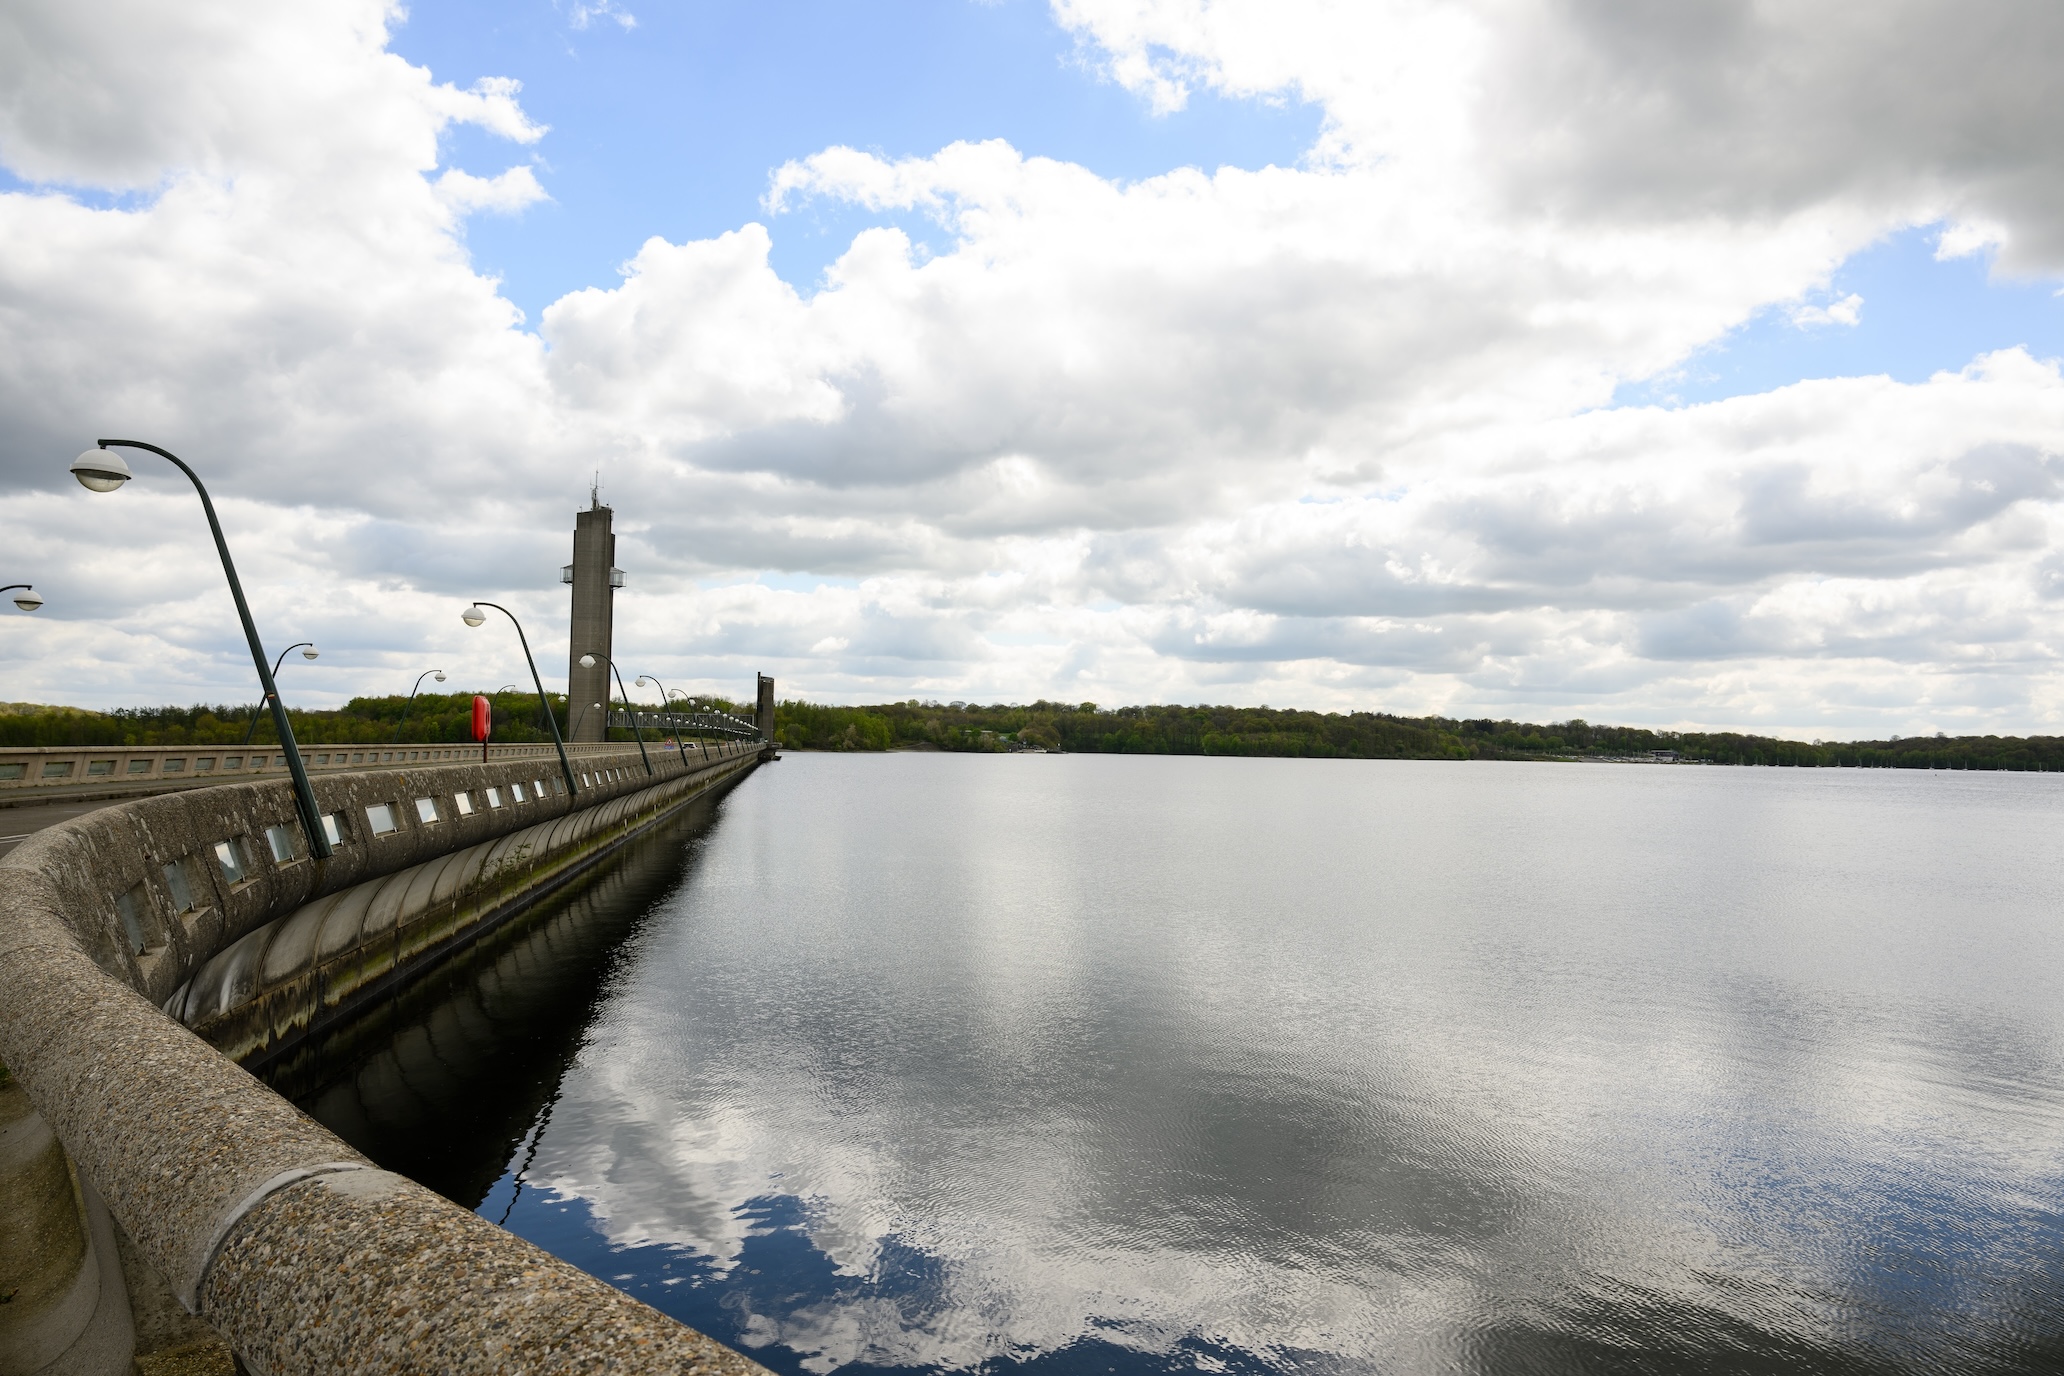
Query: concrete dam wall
(294,975)
(130,934)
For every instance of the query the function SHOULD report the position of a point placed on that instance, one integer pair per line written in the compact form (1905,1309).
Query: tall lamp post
(688,699)
(308,651)
(29,600)
(664,707)
(100,470)
(412,698)
(588,662)
(506,688)
(473,616)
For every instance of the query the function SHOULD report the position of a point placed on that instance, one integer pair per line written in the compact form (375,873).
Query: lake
(1106,1064)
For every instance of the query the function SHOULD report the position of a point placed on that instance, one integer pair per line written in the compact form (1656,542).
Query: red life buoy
(483,718)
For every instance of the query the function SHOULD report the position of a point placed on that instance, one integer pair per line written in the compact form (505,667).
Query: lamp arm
(411,701)
(630,711)
(666,710)
(572,789)
(304,794)
(250,730)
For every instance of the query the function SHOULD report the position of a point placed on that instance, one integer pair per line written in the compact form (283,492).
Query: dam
(172,917)
(151,949)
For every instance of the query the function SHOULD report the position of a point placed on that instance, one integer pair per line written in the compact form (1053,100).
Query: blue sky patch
(674,126)
(1915,316)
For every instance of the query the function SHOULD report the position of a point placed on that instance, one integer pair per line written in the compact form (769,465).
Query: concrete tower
(595,578)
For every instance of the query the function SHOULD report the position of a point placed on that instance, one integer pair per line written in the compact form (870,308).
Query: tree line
(1084,728)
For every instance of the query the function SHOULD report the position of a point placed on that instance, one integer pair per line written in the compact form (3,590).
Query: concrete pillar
(66,1309)
(595,579)
(763,715)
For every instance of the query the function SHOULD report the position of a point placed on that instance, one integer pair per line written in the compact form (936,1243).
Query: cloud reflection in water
(1148,1064)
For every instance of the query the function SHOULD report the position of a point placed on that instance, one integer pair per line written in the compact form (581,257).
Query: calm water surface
(1089,1064)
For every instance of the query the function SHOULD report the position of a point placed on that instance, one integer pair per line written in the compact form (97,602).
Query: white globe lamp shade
(310,653)
(28,599)
(439,675)
(472,616)
(587,661)
(101,470)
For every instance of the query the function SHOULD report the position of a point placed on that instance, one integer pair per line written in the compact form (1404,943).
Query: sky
(1686,366)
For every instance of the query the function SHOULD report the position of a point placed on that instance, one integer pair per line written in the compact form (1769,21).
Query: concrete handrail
(299,1251)
(34,772)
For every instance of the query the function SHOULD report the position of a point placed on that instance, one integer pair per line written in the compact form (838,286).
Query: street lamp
(309,653)
(412,698)
(102,470)
(581,716)
(473,616)
(688,699)
(588,662)
(665,708)
(506,688)
(29,600)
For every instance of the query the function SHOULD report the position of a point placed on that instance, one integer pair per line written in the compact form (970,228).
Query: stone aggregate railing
(300,1252)
(31,772)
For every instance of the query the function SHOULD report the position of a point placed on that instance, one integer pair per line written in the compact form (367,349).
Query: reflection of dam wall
(301,1253)
(445,1080)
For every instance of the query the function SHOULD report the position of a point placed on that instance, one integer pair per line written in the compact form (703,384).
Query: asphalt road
(18,824)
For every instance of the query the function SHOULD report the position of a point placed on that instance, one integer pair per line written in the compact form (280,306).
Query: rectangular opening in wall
(176,885)
(233,762)
(230,856)
(57,769)
(464,803)
(100,767)
(558,785)
(322,759)
(539,785)
(355,759)
(13,770)
(380,817)
(516,793)
(494,797)
(139,766)
(332,829)
(200,765)
(175,766)
(280,840)
(129,908)
(426,810)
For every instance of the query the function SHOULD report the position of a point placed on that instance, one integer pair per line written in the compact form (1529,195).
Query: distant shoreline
(1072,728)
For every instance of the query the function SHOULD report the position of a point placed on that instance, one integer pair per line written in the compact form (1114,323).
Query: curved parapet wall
(299,1251)
(270,988)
